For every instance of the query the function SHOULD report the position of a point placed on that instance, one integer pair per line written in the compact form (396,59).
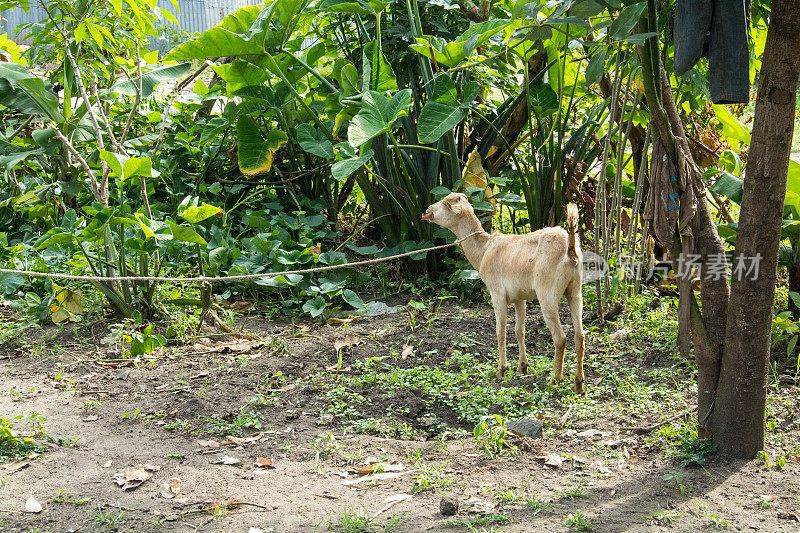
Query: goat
(544,265)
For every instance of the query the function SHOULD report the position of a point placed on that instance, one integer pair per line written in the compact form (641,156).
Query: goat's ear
(454,205)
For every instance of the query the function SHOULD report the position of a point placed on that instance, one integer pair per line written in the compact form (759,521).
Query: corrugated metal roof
(194,16)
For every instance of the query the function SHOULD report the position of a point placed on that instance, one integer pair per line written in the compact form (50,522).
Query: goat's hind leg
(550,313)
(575,300)
(501,320)
(519,331)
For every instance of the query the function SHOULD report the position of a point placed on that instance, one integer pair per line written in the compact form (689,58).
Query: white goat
(543,265)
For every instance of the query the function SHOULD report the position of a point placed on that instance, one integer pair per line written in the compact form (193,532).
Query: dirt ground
(169,410)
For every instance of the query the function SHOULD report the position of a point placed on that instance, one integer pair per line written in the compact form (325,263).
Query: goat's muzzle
(428,216)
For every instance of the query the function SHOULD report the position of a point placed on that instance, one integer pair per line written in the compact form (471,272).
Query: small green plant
(350,520)
(716,521)
(765,458)
(90,405)
(537,505)
(662,518)
(577,521)
(677,478)
(111,518)
(510,496)
(488,520)
(686,446)
(63,497)
(134,338)
(132,415)
(11,443)
(243,420)
(765,501)
(576,491)
(490,434)
(432,477)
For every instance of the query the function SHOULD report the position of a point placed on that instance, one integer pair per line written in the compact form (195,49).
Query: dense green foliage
(300,133)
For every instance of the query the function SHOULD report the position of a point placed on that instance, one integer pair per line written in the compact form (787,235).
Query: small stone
(325,420)
(526,427)
(123,373)
(448,506)
(292,414)
(376,308)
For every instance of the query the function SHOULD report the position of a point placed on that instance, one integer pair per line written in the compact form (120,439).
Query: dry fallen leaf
(208,443)
(376,477)
(32,506)
(407,350)
(242,346)
(214,506)
(552,459)
(241,441)
(171,488)
(593,433)
(346,342)
(263,462)
(227,460)
(392,500)
(130,479)
(380,467)
(334,321)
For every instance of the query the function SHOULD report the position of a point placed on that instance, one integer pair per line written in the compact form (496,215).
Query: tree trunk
(738,417)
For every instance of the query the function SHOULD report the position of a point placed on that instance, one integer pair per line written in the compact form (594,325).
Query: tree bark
(737,420)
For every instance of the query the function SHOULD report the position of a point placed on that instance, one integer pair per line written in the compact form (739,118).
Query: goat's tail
(572,228)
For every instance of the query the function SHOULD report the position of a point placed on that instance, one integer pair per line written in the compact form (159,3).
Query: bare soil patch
(319,417)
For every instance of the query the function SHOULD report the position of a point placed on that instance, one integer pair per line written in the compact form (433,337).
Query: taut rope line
(206,279)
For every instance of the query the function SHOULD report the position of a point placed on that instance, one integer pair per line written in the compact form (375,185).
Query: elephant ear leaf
(377,115)
(256,151)
(20,89)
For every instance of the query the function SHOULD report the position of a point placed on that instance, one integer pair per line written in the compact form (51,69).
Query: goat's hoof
(522,368)
(579,388)
(501,371)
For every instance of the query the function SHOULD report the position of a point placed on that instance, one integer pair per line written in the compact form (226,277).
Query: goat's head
(448,211)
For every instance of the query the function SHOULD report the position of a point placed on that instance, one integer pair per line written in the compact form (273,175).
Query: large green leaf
(437,118)
(450,54)
(358,7)
(184,234)
(729,186)
(240,74)
(231,37)
(732,129)
(279,21)
(542,98)
(594,70)
(150,80)
(256,151)
(250,30)
(313,141)
(198,213)
(623,25)
(126,167)
(377,73)
(22,90)
(341,169)
(377,115)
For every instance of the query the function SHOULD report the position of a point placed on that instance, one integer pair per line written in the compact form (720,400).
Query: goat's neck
(474,246)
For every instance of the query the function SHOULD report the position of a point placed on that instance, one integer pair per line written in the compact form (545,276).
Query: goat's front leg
(501,319)
(519,331)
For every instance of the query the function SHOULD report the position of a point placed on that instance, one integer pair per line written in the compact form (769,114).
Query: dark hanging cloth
(722,26)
